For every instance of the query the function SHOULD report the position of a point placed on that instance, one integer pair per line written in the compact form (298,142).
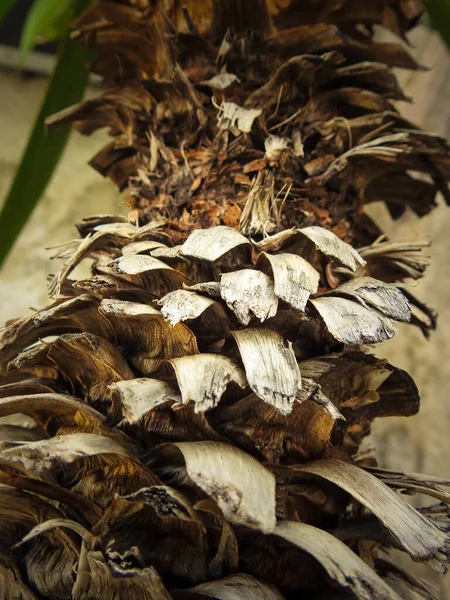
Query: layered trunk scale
(191,421)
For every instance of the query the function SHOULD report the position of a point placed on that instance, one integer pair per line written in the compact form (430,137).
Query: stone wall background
(420,443)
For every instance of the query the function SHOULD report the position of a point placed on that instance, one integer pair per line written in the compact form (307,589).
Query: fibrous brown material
(187,423)
(295,125)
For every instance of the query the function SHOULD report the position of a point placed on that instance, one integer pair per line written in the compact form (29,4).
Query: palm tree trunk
(190,421)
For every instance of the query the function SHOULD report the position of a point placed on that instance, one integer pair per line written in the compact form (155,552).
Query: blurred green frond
(439,13)
(43,151)
(47,20)
(5,7)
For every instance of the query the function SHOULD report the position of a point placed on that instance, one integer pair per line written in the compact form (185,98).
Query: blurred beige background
(75,191)
(421,443)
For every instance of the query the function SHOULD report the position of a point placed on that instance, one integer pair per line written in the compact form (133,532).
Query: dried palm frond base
(161,437)
(187,422)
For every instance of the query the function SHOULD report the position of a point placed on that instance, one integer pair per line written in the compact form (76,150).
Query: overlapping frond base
(242,114)
(187,423)
(163,438)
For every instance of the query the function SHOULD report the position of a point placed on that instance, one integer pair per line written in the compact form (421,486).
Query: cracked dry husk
(187,423)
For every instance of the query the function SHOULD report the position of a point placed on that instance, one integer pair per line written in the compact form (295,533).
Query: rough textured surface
(415,444)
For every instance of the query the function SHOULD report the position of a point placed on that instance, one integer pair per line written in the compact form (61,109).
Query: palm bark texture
(190,421)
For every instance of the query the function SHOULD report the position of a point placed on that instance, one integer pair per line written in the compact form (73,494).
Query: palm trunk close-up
(191,421)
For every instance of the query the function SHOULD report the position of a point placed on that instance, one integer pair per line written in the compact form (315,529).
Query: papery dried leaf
(398,190)
(312,391)
(55,319)
(350,323)
(152,230)
(19,419)
(42,456)
(299,75)
(173,421)
(304,138)
(88,224)
(167,502)
(145,333)
(387,298)
(22,508)
(212,244)
(307,240)
(243,489)
(270,366)
(104,476)
(56,409)
(122,309)
(260,214)
(295,279)
(58,309)
(274,242)
(126,527)
(221,81)
(14,475)
(372,74)
(395,261)
(226,558)
(360,381)
(238,587)
(402,147)
(110,286)
(275,145)
(408,586)
(341,564)
(126,230)
(11,582)
(96,580)
(142,247)
(263,431)
(425,317)
(89,363)
(236,118)
(203,378)
(182,305)
(28,385)
(212,288)
(17,433)
(139,396)
(416,533)
(321,36)
(153,274)
(50,560)
(50,566)
(249,292)
(329,244)
(168,254)
(35,361)
(86,246)
(57,523)
(414,483)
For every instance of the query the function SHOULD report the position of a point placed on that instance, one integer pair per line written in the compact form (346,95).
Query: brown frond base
(219,119)
(187,423)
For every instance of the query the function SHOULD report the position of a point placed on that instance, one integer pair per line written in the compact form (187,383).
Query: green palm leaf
(46,20)
(439,12)
(43,151)
(5,7)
